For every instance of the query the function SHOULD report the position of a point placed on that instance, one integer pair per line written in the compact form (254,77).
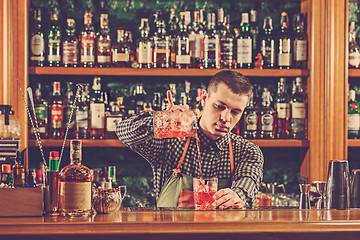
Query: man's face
(222,110)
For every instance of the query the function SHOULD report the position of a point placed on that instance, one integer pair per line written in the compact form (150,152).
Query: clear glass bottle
(182,45)
(37,42)
(173,32)
(112,119)
(254,29)
(54,40)
(103,43)
(195,35)
(161,43)
(18,171)
(282,107)
(42,114)
(97,111)
(267,44)
(210,46)
(226,43)
(75,185)
(244,56)
(144,46)
(140,98)
(68,105)
(353,116)
(120,52)
(56,113)
(266,116)
(299,111)
(285,45)
(300,42)
(87,42)
(82,117)
(354,49)
(70,46)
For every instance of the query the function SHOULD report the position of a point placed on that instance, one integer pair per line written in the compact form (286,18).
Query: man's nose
(225,115)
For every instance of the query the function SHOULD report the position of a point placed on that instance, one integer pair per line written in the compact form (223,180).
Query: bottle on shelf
(268,44)
(250,120)
(182,45)
(54,40)
(298,111)
(68,106)
(103,43)
(300,42)
(226,41)
(87,42)
(282,107)
(285,44)
(18,171)
(266,116)
(82,117)
(244,54)
(75,184)
(144,46)
(210,46)
(161,43)
(42,114)
(254,29)
(31,178)
(56,113)
(354,49)
(119,51)
(97,111)
(70,46)
(129,43)
(140,98)
(195,35)
(37,42)
(353,116)
(173,32)
(157,101)
(113,118)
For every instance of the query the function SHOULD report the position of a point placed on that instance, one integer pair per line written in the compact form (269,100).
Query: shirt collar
(221,143)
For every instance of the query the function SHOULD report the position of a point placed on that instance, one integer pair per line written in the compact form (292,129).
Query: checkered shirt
(164,154)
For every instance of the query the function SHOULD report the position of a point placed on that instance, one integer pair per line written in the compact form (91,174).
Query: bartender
(236,162)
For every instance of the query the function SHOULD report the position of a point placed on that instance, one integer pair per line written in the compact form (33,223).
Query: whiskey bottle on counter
(266,116)
(37,42)
(70,46)
(298,111)
(54,40)
(56,113)
(103,43)
(97,111)
(42,114)
(75,182)
(18,171)
(284,43)
(282,107)
(87,42)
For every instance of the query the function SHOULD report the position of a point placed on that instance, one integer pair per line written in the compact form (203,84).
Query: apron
(178,188)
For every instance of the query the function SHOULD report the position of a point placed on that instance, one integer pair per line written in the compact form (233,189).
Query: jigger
(304,196)
(355,189)
(321,190)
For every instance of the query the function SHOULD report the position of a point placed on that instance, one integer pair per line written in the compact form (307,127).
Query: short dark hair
(238,83)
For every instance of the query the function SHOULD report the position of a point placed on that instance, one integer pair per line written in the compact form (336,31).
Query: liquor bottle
(244,44)
(103,43)
(195,36)
(37,43)
(353,116)
(18,171)
(128,41)
(68,106)
(210,46)
(112,119)
(267,44)
(70,46)
(284,43)
(298,111)
(173,32)
(42,114)
(120,52)
(282,107)
(161,52)
(54,40)
(87,42)
(140,97)
(266,116)
(75,182)
(300,42)
(189,102)
(31,178)
(156,102)
(226,42)
(354,49)
(254,29)
(250,121)
(82,117)
(5,174)
(97,111)
(112,176)
(144,46)
(182,45)
(54,161)
(56,113)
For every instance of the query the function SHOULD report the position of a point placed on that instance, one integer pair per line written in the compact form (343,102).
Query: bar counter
(190,224)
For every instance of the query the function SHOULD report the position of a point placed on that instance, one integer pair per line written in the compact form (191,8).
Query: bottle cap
(54,154)
(6,168)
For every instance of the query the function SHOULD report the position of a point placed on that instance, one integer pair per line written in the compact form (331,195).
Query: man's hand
(227,198)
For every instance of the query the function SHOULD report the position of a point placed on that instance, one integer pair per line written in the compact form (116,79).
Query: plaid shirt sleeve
(249,173)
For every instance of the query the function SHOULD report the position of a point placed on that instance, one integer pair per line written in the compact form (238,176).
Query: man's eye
(235,113)
(221,107)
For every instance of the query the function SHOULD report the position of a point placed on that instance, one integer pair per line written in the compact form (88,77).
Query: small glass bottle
(300,42)
(299,111)
(56,113)
(182,49)
(103,43)
(75,185)
(254,29)
(267,44)
(42,114)
(54,40)
(354,49)
(70,46)
(266,116)
(250,122)
(18,171)
(195,35)
(120,52)
(282,107)
(97,111)
(31,178)
(144,46)
(87,42)
(285,45)
(244,56)
(37,42)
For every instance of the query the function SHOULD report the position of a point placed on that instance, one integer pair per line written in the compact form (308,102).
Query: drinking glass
(204,190)
(355,189)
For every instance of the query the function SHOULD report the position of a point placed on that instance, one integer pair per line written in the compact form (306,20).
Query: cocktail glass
(204,190)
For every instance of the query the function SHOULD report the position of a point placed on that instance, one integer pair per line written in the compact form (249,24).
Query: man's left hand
(227,198)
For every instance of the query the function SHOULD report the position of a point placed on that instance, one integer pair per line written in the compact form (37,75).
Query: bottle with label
(282,107)
(75,184)
(182,45)
(18,171)
(97,111)
(244,54)
(195,35)
(300,42)
(266,116)
(157,101)
(226,42)
(87,42)
(267,44)
(37,42)
(70,46)
(129,44)
(113,118)
(140,97)
(103,43)
(82,117)
(210,46)
(54,40)
(354,49)
(284,43)
(31,178)
(161,40)
(68,105)
(298,111)
(56,113)
(353,116)
(250,120)
(120,52)
(42,114)
(144,46)
(254,29)
(173,32)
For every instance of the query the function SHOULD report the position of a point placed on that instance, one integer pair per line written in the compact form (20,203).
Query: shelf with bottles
(353,142)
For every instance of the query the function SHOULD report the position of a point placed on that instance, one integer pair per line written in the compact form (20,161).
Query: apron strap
(231,158)
(177,169)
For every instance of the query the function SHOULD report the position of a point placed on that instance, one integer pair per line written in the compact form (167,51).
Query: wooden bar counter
(189,224)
